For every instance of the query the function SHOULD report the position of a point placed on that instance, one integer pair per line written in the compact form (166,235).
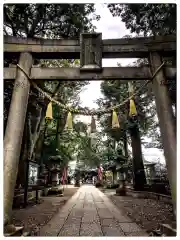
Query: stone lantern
(55,169)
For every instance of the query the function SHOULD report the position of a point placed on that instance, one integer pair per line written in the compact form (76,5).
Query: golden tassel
(49,111)
(69,124)
(115,121)
(132,108)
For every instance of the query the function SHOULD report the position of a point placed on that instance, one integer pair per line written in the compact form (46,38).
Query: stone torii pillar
(166,122)
(14,132)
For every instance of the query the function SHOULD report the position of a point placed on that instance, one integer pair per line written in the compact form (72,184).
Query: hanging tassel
(132,108)
(93,125)
(49,111)
(69,124)
(115,121)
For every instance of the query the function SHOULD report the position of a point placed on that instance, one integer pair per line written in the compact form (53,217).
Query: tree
(114,93)
(147,19)
(150,19)
(65,148)
(67,94)
(15,24)
(48,20)
(53,21)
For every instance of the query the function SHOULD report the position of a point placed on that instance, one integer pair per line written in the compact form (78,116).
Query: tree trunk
(139,179)
(113,177)
(58,133)
(125,145)
(77,180)
(14,132)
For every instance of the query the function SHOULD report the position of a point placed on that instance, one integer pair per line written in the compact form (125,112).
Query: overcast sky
(112,27)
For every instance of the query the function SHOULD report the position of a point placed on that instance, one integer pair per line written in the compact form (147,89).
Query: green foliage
(48,20)
(115,93)
(52,21)
(147,19)
(66,148)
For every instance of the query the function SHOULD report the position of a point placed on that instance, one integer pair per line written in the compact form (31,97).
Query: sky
(112,27)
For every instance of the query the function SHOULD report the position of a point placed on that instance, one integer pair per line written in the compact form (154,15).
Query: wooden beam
(108,73)
(70,49)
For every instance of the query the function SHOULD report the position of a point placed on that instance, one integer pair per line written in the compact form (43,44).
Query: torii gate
(90,49)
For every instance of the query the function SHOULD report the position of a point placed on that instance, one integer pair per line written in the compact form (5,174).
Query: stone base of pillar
(121,190)
(12,231)
(99,184)
(54,183)
(77,184)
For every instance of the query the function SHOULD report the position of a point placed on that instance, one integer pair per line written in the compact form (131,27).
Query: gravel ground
(36,216)
(148,213)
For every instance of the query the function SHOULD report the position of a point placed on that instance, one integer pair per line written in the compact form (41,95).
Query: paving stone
(52,228)
(98,201)
(73,220)
(101,205)
(109,222)
(78,206)
(89,205)
(130,227)
(90,209)
(67,207)
(70,230)
(88,212)
(139,234)
(105,214)
(81,196)
(112,232)
(90,218)
(77,213)
(121,218)
(89,199)
(91,229)
(110,205)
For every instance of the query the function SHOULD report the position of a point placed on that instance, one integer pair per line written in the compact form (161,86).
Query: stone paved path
(90,213)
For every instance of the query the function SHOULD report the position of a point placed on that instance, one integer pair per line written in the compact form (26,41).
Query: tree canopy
(48,20)
(147,19)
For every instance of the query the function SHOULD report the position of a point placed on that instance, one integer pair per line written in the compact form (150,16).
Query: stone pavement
(90,213)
